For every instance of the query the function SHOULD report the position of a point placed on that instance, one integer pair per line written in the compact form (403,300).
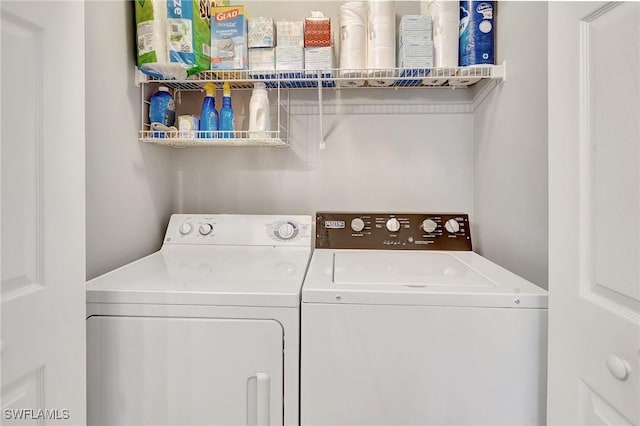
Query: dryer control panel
(239,230)
(388,231)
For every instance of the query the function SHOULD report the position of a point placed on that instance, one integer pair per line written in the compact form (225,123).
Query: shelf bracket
(501,71)
(322,144)
(140,77)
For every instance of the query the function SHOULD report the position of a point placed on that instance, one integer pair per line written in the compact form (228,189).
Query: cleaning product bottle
(209,118)
(259,118)
(162,110)
(226,113)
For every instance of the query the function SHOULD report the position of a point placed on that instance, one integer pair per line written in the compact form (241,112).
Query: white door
(184,371)
(594,213)
(42,210)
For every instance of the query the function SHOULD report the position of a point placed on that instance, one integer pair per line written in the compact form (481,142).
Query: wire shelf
(348,78)
(178,139)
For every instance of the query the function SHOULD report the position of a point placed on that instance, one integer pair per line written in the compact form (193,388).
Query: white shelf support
(139,77)
(500,72)
(427,78)
(320,118)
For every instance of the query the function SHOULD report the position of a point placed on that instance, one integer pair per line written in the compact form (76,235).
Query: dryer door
(184,371)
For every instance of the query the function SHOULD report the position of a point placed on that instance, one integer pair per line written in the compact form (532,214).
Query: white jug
(259,118)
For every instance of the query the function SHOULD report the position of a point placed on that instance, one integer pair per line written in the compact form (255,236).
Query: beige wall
(510,148)
(128,184)
(398,150)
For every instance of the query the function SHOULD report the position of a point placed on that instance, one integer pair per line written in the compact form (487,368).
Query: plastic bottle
(226,113)
(259,117)
(162,110)
(209,118)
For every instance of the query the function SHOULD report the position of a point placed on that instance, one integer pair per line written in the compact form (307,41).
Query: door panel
(612,132)
(595,410)
(42,212)
(594,233)
(21,168)
(184,371)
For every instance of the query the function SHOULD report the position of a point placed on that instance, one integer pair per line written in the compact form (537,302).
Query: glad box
(229,38)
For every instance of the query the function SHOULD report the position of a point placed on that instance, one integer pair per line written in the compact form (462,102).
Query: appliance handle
(262,399)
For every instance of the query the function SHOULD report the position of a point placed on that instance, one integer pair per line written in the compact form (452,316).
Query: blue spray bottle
(226,113)
(209,118)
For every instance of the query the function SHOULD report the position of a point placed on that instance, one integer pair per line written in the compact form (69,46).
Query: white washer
(204,331)
(402,324)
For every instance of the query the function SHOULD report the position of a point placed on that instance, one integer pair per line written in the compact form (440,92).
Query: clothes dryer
(403,324)
(204,331)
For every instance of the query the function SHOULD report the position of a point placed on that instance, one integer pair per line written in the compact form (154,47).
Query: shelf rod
(322,144)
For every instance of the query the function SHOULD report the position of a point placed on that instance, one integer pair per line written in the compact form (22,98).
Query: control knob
(357,224)
(429,225)
(185,228)
(205,229)
(286,231)
(452,226)
(393,225)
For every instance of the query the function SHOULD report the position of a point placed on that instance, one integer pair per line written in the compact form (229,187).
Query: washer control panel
(386,231)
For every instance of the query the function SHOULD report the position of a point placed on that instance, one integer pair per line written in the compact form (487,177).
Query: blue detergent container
(162,110)
(227,124)
(209,118)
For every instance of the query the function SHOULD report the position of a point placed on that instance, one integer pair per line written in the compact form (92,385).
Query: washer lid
(208,275)
(412,269)
(434,278)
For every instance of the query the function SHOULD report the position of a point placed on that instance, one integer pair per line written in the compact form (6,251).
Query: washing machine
(403,324)
(206,330)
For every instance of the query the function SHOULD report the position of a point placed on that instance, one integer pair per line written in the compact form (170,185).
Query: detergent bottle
(209,118)
(227,126)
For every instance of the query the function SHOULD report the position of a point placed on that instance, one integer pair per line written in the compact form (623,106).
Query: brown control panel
(393,231)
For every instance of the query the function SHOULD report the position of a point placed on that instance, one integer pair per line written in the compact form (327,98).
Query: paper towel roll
(381,43)
(446,10)
(445,18)
(353,41)
(154,36)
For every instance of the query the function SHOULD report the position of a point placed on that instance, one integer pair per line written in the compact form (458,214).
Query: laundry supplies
(162,111)
(227,119)
(173,40)
(381,42)
(229,38)
(446,22)
(353,42)
(261,32)
(477,30)
(317,30)
(209,117)
(259,116)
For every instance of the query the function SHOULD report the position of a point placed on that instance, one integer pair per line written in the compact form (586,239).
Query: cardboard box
(416,23)
(413,37)
(229,38)
(423,62)
(289,58)
(318,58)
(262,59)
(317,32)
(416,50)
(290,34)
(261,32)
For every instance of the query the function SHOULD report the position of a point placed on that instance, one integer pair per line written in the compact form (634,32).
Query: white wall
(510,148)
(128,184)
(383,152)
